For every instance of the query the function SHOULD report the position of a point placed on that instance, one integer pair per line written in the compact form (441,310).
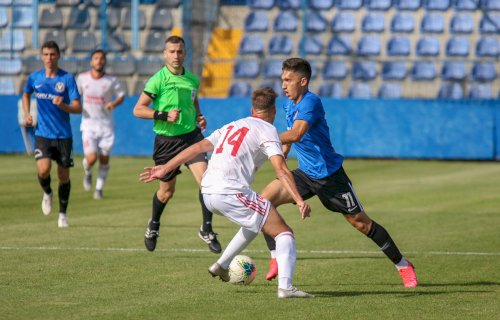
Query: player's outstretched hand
(305,210)
(152,173)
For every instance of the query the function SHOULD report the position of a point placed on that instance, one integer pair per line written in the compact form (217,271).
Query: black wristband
(199,115)
(160,115)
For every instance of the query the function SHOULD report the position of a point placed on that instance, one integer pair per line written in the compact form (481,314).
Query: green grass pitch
(444,216)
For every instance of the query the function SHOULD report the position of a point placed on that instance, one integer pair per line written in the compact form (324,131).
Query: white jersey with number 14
(240,148)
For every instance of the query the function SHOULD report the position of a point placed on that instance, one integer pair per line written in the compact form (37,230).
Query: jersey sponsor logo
(59,87)
(44,96)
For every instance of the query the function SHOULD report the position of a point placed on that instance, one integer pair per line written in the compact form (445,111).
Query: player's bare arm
(286,179)
(299,129)
(74,107)
(26,107)
(143,111)
(112,105)
(156,172)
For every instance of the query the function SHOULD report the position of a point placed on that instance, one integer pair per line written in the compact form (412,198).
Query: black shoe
(211,239)
(152,233)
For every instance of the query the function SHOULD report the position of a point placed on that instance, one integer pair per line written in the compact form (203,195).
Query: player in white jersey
(98,90)
(238,150)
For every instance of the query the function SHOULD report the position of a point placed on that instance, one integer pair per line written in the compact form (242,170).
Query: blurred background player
(320,170)
(57,96)
(98,90)
(177,123)
(239,149)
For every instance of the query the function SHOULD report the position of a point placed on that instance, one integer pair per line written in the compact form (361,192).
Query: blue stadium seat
(286,21)
(311,45)
(453,70)
(71,64)
(246,69)
(441,5)
(479,90)
(280,44)
(398,46)
(68,2)
(349,4)
(22,17)
(373,22)
(340,45)
(314,69)
(117,42)
(261,4)
(31,64)
(423,71)
(360,90)
(488,47)
(492,5)
(276,85)
(59,36)
(457,47)
(51,18)
(113,18)
(462,23)
(394,70)
(483,71)
(428,47)
(257,21)
(155,42)
(162,20)
(465,5)
(84,41)
(127,20)
(343,22)
(12,40)
(78,19)
(407,4)
(450,90)
(364,70)
(272,69)
(149,65)
(4,21)
(240,89)
(164,3)
(369,46)
(403,22)
(330,90)
(138,87)
(315,22)
(251,43)
(378,4)
(7,86)
(490,23)
(432,22)
(389,91)
(10,66)
(122,65)
(288,4)
(335,69)
(321,4)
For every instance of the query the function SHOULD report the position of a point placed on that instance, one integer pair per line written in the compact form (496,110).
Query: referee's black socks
(384,241)
(158,208)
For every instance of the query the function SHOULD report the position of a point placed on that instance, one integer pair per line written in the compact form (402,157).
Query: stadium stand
(453,70)
(335,69)
(286,21)
(389,91)
(240,89)
(311,45)
(451,90)
(398,46)
(483,71)
(51,18)
(423,71)
(373,22)
(246,69)
(330,90)
(257,21)
(280,44)
(7,86)
(57,36)
(360,90)
(462,23)
(394,70)
(343,22)
(321,4)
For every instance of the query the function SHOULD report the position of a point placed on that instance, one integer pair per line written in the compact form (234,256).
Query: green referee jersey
(170,91)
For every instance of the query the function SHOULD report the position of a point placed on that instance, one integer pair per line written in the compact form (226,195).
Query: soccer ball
(242,270)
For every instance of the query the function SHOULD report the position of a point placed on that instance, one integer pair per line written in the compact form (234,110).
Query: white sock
(102,174)
(402,264)
(239,242)
(285,256)
(273,254)
(86,168)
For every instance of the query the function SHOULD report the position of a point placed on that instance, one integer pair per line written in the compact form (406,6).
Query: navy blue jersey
(315,152)
(53,122)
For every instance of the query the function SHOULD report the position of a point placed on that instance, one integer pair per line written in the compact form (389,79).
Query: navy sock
(45,184)
(64,190)
(384,241)
(271,243)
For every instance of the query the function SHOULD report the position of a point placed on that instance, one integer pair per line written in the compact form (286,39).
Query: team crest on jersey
(60,87)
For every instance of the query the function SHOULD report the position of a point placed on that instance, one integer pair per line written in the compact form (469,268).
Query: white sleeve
(271,144)
(118,88)
(214,137)
(79,84)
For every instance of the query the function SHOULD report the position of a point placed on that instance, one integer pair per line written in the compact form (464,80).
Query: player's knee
(164,196)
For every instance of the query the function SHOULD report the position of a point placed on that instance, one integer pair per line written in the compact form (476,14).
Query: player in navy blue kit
(57,96)
(320,170)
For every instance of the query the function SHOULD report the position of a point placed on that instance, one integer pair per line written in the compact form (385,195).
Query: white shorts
(248,210)
(97,142)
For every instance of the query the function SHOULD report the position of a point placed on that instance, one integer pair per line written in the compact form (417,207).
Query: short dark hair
(298,65)
(175,39)
(264,99)
(98,51)
(51,45)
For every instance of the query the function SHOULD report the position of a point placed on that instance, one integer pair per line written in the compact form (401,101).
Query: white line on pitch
(451,253)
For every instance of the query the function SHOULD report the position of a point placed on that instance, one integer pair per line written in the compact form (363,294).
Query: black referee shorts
(165,148)
(335,191)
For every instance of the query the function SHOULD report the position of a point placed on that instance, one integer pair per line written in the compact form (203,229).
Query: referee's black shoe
(152,233)
(210,238)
